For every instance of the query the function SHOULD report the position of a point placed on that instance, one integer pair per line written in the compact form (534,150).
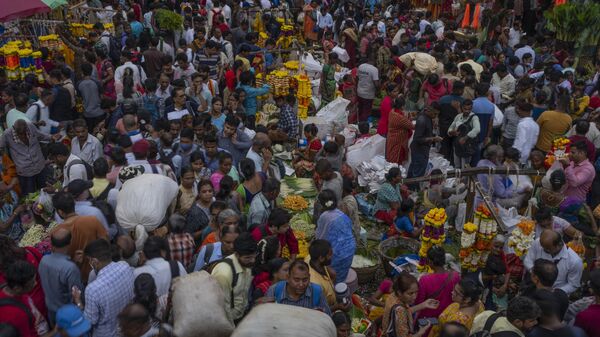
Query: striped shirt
(212,61)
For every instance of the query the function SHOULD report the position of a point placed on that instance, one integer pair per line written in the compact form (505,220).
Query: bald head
(61,238)
(126,246)
(20,126)
(262,140)
(551,241)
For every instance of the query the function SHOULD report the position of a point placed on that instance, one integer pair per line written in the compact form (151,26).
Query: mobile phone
(431,320)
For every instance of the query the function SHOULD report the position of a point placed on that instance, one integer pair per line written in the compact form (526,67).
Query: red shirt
(385,108)
(288,238)
(588,320)
(17,317)
(442,88)
(230,79)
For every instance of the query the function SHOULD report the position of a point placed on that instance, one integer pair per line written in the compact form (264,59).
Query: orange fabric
(9,172)
(465,20)
(210,238)
(475,23)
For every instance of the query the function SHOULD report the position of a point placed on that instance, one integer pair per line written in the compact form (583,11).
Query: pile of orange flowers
(560,149)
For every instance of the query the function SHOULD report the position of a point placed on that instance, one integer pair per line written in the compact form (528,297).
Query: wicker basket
(366,274)
(410,245)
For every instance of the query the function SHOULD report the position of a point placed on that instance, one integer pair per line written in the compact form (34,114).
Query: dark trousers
(34,183)
(418,165)
(476,156)
(93,121)
(250,122)
(364,108)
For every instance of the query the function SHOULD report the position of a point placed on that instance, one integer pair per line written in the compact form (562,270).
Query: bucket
(391,248)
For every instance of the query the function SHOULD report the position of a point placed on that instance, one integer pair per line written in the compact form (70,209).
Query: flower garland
(521,237)
(433,234)
(561,147)
(476,239)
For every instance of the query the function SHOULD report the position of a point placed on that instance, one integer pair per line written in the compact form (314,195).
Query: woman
(392,91)
(437,285)
(398,313)
(350,42)
(399,131)
(144,291)
(252,184)
(225,163)
(336,227)
(466,305)
(343,324)
(268,266)
(310,22)
(198,164)
(388,197)
(187,194)
(116,160)
(106,71)
(10,220)
(216,113)
(198,217)
(328,83)
(349,205)
(228,194)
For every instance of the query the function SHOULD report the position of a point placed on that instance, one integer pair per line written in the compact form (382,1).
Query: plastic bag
(144,201)
(350,132)
(335,113)
(198,295)
(279,320)
(510,217)
(341,53)
(461,216)
(365,150)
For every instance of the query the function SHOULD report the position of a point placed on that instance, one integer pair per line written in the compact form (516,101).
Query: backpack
(317,291)
(167,159)
(152,107)
(469,147)
(114,49)
(89,170)
(234,280)
(489,323)
(9,301)
(61,109)
(210,248)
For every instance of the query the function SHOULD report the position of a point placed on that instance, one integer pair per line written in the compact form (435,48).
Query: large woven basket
(410,245)
(366,274)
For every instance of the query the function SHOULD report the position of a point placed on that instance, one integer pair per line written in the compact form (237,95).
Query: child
(363,130)
(199,167)
(304,160)
(403,224)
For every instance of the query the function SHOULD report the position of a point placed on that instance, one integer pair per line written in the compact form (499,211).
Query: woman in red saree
(350,42)
(400,129)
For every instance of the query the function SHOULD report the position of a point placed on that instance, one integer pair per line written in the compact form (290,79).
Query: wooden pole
(475,171)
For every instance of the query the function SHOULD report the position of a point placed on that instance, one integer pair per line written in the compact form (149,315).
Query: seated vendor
(404,223)
(388,197)
(499,187)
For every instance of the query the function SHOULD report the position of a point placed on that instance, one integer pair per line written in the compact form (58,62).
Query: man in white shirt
(424,22)
(380,25)
(324,20)
(85,146)
(162,271)
(514,34)
(39,114)
(593,134)
(72,166)
(520,52)
(260,152)
(368,82)
(139,76)
(527,131)
(505,82)
(550,246)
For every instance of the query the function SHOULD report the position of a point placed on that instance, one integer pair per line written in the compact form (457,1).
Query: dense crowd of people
(140,100)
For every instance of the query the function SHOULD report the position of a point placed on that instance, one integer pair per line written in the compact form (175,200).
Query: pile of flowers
(476,239)
(433,234)
(561,147)
(521,237)
(578,247)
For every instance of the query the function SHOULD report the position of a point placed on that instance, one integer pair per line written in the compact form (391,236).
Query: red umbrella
(15,9)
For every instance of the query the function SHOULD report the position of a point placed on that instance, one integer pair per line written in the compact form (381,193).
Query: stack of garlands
(433,234)
(521,237)
(303,94)
(479,235)
(467,240)
(561,147)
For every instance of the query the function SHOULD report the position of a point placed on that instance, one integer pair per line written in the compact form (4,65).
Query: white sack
(423,63)
(144,201)
(341,53)
(198,307)
(335,113)
(280,320)
(365,150)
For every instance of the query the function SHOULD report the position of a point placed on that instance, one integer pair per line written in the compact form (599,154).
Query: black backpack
(114,49)
(89,170)
(470,146)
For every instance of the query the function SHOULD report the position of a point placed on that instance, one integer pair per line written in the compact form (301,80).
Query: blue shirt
(217,254)
(58,275)
(484,110)
(136,28)
(250,103)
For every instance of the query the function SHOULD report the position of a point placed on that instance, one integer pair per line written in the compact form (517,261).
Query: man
(525,66)
(263,203)
(156,249)
(579,171)
(58,273)
(320,269)
(71,322)
(579,133)
(239,33)
(85,146)
(72,166)
(39,112)
(527,132)
(60,109)
(20,280)
(211,152)
(234,275)
(181,243)
(550,246)
(422,140)
(234,140)
(278,225)
(554,123)
(80,190)
(521,316)
(90,90)
(218,250)
(139,76)
(19,111)
(449,108)
(109,293)
(505,82)
(83,229)
(210,56)
(525,49)
(484,110)
(153,59)
(298,290)
(183,149)
(140,153)
(260,152)
(368,83)
(543,276)
(331,179)
(550,323)
(22,141)
(494,268)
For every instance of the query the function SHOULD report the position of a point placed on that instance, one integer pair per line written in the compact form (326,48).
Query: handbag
(439,291)
(469,147)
